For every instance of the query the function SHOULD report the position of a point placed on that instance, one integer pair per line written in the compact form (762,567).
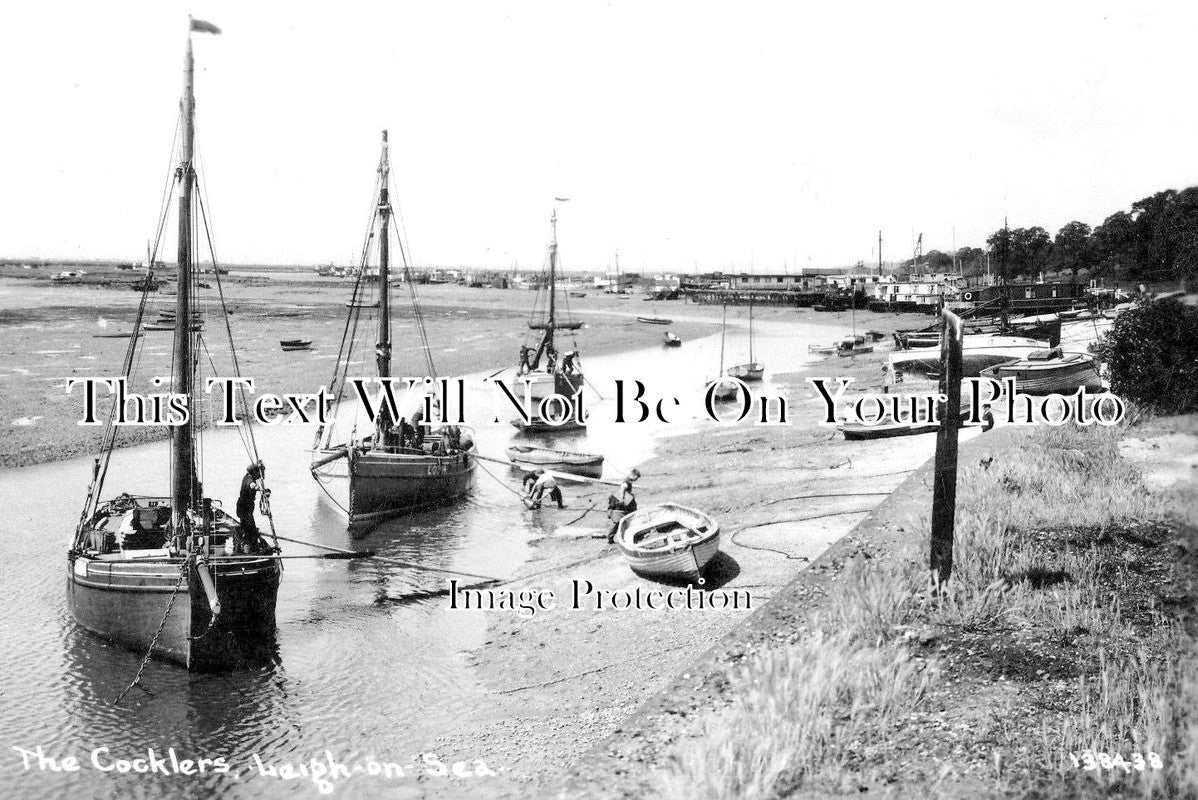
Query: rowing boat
(561,460)
(654,320)
(668,540)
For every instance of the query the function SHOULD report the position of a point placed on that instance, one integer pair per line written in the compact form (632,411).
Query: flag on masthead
(199,26)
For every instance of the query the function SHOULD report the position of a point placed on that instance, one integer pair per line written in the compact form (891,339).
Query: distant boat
(1049,371)
(668,540)
(655,320)
(752,370)
(671,340)
(822,349)
(578,294)
(543,369)
(876,336)
(295,344)
(122,335)
(725,389)
(559,460)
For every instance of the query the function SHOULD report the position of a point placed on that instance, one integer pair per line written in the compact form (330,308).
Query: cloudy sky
(685,134)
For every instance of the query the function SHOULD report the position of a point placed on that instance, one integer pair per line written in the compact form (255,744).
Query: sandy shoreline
(49,337)
(560,682)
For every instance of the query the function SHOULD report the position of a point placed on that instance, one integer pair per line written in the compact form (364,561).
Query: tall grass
(825,706)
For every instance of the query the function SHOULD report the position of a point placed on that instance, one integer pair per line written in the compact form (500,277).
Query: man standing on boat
(251,539)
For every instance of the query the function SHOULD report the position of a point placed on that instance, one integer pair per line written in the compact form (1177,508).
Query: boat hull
(1050,378)
(677,563)
(974,357)
(542,385)
(676,557)
(384,485)
(558,461)
(747,372)
(124,602)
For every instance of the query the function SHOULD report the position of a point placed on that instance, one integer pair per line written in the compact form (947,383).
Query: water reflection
(366,658)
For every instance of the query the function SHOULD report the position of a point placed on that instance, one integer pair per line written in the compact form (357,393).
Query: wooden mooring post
(944,487)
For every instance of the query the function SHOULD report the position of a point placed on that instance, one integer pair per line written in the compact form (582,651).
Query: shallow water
(362,668)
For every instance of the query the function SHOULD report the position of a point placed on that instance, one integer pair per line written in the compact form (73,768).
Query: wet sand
(564,679)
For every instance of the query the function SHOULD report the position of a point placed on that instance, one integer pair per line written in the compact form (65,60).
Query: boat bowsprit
(530,456)
(668,540)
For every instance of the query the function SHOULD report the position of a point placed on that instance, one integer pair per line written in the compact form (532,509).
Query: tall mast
(879,254)
(383,346)
(184,483)
(751,360)
(551,321)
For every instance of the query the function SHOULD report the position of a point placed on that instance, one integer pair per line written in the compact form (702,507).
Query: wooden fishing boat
(295,344)
(671,340)
(532,457)
(822,349)
(655,320)
(174,577)
(393,470)
(752,370)
(1049,371)
(578,294)
(544,369)
(668,540)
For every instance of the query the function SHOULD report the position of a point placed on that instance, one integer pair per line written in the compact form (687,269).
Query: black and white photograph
(598,399)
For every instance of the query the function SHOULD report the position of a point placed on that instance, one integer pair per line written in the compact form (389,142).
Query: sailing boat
(752,370)
(175,577)
(724,389)
(854,345)
(397,468)
(546,371)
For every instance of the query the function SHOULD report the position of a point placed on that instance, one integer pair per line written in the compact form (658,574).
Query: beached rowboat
(1049,372)
(560,460)
(295,344)
(655,320)
(668,540)
(747,372)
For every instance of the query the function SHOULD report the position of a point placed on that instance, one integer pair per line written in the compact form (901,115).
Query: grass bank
(1065,640)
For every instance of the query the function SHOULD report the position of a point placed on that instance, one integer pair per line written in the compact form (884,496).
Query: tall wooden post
(944,488)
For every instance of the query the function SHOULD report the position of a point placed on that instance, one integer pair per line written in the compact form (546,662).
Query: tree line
(1156,240)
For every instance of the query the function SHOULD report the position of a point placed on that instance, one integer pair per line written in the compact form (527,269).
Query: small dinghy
(747,372)
(295,344)
(578,294)
(655,320)
(531,456)
(668,540)
(671,340)
(821,349)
